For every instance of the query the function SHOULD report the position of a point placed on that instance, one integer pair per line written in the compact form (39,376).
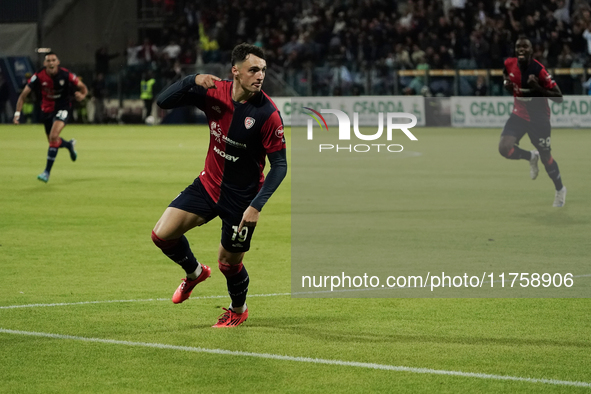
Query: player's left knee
(506,151)
(229,269)
(55,142)
(162,243)
(546,158)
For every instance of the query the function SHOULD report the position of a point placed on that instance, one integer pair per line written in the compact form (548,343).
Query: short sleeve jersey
(241,135)
(529,108)
(56,90)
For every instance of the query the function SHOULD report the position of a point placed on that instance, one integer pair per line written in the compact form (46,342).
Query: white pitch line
(225,296)
(78,303)
(123,301)
(302,359)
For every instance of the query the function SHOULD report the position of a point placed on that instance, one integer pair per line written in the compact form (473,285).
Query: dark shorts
(195,199)
(538,131)
(50,117)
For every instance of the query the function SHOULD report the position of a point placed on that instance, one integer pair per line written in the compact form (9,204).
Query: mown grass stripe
(301,359)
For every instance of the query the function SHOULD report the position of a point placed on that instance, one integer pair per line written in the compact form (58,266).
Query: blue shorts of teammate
(538,131)
(196,200)
(50,117)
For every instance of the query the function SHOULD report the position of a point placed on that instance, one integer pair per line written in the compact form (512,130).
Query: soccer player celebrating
(56,85)
(245,126)
(530,84)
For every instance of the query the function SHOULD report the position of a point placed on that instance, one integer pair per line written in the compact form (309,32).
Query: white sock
(242,309)
(197,272)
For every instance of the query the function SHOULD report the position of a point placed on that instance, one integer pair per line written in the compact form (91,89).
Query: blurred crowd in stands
(350,42)
(350,47)
(342,47)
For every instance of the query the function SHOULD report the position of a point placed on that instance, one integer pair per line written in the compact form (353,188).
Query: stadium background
(314,48)
(85,297)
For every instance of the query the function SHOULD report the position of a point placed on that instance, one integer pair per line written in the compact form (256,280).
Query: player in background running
(531,85)
(57,85)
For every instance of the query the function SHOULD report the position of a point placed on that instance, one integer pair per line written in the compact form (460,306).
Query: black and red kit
(529,108)
(241,135)
(56,90)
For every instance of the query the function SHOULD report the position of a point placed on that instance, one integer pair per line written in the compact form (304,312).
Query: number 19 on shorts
(242,235)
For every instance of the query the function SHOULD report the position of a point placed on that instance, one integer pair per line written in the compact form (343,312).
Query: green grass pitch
(73,250)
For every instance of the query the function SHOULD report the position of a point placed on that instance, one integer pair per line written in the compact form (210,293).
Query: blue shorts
(538,131)
(196,200)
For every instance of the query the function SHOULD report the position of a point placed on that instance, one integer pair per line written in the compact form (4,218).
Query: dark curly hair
(241,51)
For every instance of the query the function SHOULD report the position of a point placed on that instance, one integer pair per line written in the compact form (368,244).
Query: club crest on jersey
(279,132)
(62,82)
(248,122)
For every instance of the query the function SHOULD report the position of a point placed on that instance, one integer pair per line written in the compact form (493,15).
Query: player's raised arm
(19,103)
(187,91)
(206,81)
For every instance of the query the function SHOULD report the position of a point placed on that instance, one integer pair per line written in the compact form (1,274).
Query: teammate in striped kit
(245,127)
(57,85)
(531,85)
